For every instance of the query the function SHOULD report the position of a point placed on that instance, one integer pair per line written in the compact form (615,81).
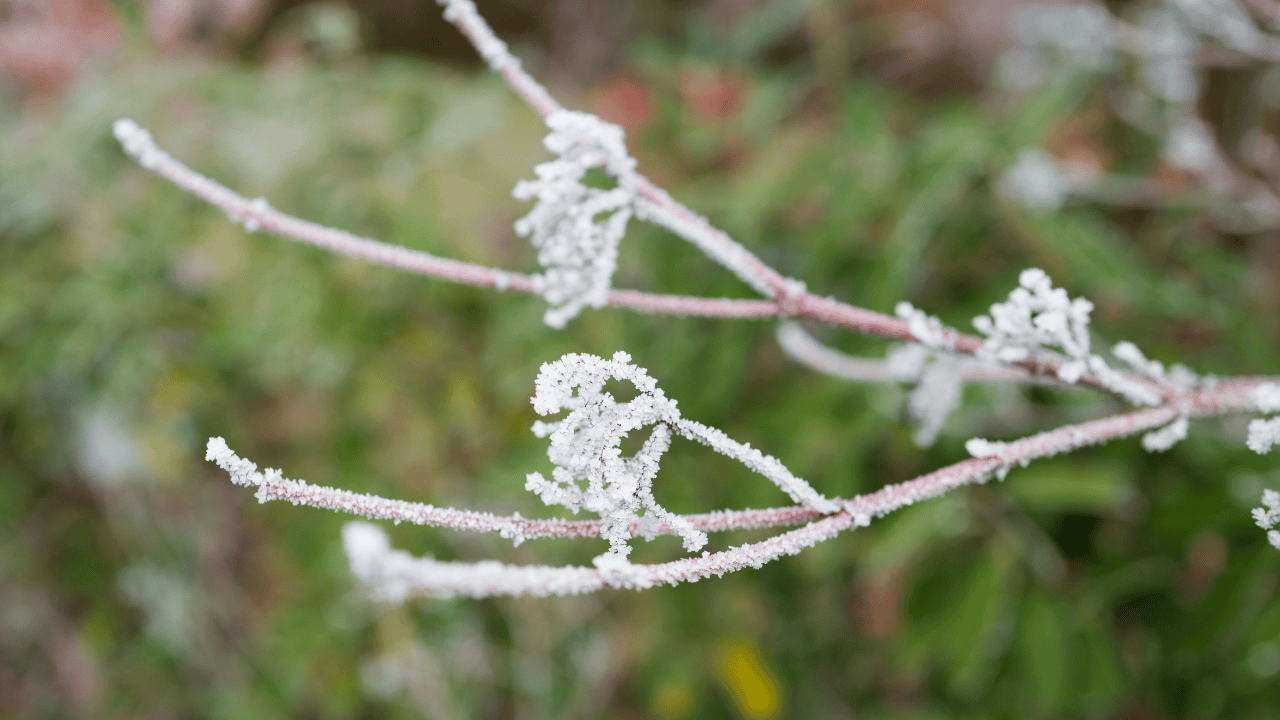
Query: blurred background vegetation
(856,145)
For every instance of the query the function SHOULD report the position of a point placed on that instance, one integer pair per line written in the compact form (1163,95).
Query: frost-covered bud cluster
(1085,34)
(585,446)
(590,472)
(932,367)
(575,228)
(1265,434)
(926,329)
(1269,515)
(1038,322)
(1036,316)
(1036,180)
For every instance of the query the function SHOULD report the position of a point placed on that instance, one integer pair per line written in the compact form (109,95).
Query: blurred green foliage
(135,322)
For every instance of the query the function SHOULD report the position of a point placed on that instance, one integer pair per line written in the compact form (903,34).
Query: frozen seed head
(576,229)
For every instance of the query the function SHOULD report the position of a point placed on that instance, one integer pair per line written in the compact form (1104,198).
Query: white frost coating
(1036,180)
(935,397)
(1268,516)
(932,367)
(1122,384)
(767,465)
(697,230)
(928,330)
(1266,398)
(981,447)
(579,252)
(493,50)
(395,575)
(585,448)
(1133,357)
(138,143)
(1263,435)
(1166,437)
(1037,317)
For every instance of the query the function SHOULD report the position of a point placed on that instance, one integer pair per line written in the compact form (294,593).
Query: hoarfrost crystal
(1268,516)
(578,251)
(585,448)
(1037,318)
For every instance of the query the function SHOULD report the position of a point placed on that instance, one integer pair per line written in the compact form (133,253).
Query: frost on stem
(1166,437)
(585,448)
(1268,516)
(575,228)
(394,575)
(1038,321)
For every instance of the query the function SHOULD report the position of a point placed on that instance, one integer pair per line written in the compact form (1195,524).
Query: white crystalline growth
(935,397)
(1263,435)
(590,471)
(934,370)
(1166,437)
(575,228)
(585,446)
(1038,317)
(1036,180)
(1269,515)
(1266,398)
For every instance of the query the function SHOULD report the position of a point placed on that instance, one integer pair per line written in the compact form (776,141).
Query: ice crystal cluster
(585,445)
(575,228)
(1265,434)
(930,364)
(1268,515)
(1040,322)
(591,473)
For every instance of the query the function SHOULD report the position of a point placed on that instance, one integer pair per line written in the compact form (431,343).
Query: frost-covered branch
(1039,334)
(272,485)
(616,487)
